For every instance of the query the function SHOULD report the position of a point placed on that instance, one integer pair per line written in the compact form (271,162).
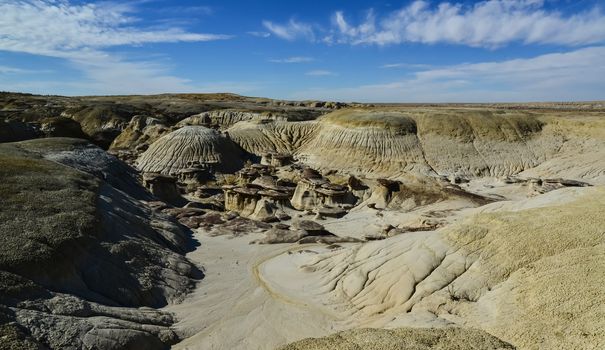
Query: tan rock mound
(191,145)
(260,137)
(226,118)
(362,142)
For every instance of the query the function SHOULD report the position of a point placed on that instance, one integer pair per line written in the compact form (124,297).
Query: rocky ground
(226,222)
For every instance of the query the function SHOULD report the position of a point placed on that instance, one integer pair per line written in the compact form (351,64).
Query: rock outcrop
(261,199)
(12,131)
(80,256)
(163,187)
(140,132)
(101,122)
(227,117)
(315,191)
(191,144)
(276,159)
(375,143)
(260,137)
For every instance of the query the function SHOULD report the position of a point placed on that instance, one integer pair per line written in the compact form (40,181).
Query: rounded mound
(190,145)
(262,136)
(390,120)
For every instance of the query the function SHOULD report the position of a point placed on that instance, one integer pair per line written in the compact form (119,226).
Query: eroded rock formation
(191,144)
(89,255)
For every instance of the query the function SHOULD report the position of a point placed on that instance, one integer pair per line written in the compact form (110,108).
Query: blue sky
(380,51)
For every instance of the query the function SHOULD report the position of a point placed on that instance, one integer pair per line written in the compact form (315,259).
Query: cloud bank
(491,24)
(81,33)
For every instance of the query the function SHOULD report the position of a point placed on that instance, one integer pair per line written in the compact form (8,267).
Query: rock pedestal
(163,187)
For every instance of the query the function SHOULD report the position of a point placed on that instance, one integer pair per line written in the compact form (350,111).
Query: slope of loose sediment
(80,255)
(529,273)
(464,141)
(187,145)
(582,155)
(403,339)
(485,143)
(258,137)
(376,143)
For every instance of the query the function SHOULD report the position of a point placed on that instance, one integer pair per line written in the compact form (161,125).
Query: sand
(234,309)
(266,296)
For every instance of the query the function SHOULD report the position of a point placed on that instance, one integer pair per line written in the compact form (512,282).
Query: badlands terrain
(217,221)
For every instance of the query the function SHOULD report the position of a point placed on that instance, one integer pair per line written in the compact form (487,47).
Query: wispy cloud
(11,70)
(491,24)
(188,10)
(259,34)
(405,65)
(574,75)
(293,59)
(292,30)
(57,28)
(81,33)
(320,73)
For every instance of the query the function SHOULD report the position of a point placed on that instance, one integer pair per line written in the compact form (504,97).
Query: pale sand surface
(232,309)
(265,296)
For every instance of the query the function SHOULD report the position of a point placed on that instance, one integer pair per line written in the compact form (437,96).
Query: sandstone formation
(191,144)
(226,118)
(276,159)
(260,137)
(261,199)
(163,187)
(101,123)
(140,132)
(457,142)
(314,192)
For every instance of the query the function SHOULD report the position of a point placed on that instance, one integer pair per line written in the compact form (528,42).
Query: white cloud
(259,34)
(81,32)
(56,28)
(320,73)
(294,59)
(291,30)
(574,75)
(405,65)
(490,23)
(11,70)
(187,10)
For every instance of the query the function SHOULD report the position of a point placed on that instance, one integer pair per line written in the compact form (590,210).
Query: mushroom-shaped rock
(265,181)
(191,144)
